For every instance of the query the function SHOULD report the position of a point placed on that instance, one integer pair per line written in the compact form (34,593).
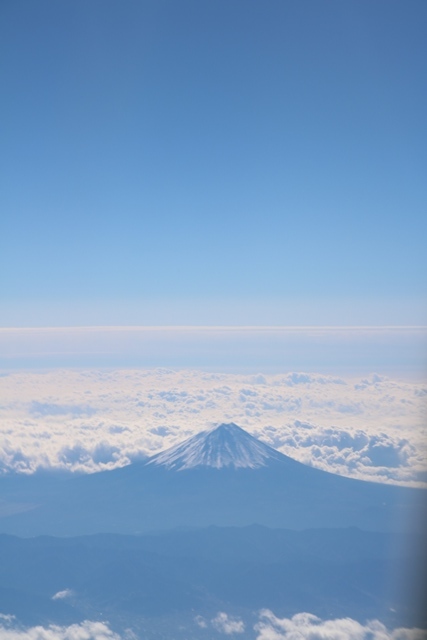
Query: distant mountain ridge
(148,581)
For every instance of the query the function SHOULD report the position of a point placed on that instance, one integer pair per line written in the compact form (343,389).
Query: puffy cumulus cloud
(227,624)
(87,630)
(305,626)
(371,427)
(355,453)
(80,457)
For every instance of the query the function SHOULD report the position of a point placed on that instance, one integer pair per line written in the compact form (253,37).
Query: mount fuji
(222,477)
(226,446)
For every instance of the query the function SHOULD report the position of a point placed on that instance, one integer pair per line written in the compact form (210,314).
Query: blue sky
(227,162)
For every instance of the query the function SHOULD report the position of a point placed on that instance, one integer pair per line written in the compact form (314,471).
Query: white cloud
(54,409)
(201,622)
(61,595)
(371,427)
(305,626)
(227,624)
(377,456)
(302,626)
(86,630)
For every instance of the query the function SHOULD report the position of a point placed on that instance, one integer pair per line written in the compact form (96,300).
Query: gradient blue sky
(213,162)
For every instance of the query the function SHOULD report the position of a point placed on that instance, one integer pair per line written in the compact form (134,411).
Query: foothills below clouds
(371,428)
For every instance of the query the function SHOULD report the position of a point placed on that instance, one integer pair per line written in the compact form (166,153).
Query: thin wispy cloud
(62,595)
(396,351)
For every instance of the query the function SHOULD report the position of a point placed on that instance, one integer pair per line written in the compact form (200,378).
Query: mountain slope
(222,477)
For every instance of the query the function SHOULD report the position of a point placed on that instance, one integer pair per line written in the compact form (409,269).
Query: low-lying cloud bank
(302,626)
(305,626)
(10,629)
(371,427)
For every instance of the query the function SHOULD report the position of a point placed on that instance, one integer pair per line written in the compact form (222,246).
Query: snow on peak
(225,446)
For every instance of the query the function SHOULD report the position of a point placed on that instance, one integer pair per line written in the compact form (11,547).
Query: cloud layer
(87,630)
(302,626)
(305,626)
(370,427)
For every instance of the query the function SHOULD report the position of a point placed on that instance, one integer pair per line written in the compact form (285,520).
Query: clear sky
(213,162)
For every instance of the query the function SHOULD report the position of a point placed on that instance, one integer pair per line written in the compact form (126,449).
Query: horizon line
(209,327)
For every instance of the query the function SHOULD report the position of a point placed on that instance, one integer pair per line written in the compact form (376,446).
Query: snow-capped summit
(225,446)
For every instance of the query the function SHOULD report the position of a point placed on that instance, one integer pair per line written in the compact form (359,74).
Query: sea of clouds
(302,626)
(370,427)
